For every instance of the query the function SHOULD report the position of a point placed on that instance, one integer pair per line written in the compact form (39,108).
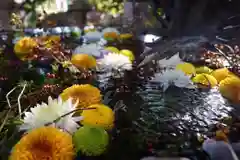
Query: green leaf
(27,7)
(33,19)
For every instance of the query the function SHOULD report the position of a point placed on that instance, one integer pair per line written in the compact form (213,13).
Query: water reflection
(179,113)
(214,107)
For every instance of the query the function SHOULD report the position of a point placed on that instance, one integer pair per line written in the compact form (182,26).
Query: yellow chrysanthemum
(50,38)
(205,79)
(44,143)
(126,36)
(112,49)
(230,88)
(187,68)
(220,74)
(24,46)
(110,35)
(54,38)
(127,53)
(102,116)
(85,94)
(203,69)
(83,61)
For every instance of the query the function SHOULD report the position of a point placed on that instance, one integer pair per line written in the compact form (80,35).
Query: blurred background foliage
(33,9)
(114,7)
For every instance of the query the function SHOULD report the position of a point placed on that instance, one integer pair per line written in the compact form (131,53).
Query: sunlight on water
(184,109)
(217,108)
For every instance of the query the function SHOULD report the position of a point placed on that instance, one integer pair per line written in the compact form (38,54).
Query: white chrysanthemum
(173,77)
(93,36)
(163,63)
(44,114)
(114,61)
(150,38)
(109,29)
(92,49)
(171,62)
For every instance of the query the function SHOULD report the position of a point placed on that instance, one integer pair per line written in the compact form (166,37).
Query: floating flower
(48,41)
(220,74)
(112,49)
(24,46)
(44,143)
(89,28)
(84,94)
(205,79)
(127,53)
(203,69)
(83,61)
(53,38)
(173,77)
(91,49)
(110,33)
(125,36)
(103,53)
(91,141)
(110,30)
(110,36)
(230,88)
(46,113)
(171,62)
(114,61)
(187,68)
(102,116)
(150,38)
(76,32)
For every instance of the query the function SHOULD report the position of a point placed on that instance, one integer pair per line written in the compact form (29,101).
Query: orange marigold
(44,143)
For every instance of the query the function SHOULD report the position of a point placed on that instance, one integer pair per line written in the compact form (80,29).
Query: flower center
(42,151)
